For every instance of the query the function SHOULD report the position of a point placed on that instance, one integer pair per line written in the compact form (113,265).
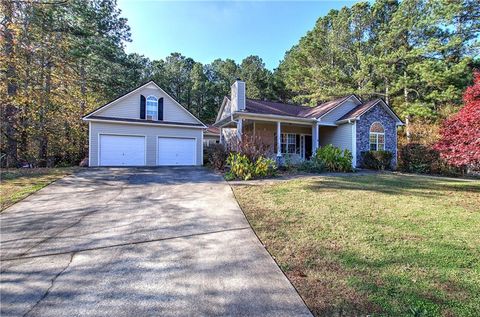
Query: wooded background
(61,59)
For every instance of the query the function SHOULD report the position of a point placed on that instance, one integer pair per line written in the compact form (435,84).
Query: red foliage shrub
(459,143)
(251,146)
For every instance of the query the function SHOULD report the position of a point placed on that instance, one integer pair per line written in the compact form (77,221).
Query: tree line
(416,54)
(62,59)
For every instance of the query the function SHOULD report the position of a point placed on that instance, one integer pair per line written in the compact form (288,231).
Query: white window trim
(296,146)
(376,134)
(155,116)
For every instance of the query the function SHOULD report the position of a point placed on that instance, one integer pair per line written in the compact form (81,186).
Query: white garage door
(176,151)
(122,150)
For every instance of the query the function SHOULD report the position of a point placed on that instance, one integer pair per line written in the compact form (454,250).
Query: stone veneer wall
(377,113)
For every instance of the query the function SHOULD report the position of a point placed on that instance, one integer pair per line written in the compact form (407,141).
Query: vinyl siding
(129,107)
(227,110)
(151,133)
(340,136)
(210,139)
(338,112)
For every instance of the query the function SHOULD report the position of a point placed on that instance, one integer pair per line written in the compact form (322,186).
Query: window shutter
(143,105)
(160,109)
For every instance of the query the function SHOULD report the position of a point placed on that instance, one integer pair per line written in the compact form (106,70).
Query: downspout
(354,142)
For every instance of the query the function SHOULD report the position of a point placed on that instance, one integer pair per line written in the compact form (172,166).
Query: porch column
(314,138)
(239,129)
(279,139)
(221,136)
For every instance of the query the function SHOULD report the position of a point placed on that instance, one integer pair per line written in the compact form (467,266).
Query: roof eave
(348,120)
(119,120)
(275,116)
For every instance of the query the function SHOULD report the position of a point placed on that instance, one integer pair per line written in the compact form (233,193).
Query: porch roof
(231,121)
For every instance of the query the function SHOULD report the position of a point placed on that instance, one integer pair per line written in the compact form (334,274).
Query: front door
(308,146)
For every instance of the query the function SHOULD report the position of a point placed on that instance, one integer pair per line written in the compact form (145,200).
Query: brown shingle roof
(272,107)
(323,108)
(285,109)
(359,110)
(213,130)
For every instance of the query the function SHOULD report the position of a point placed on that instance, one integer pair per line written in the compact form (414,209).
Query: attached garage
(122,150)
(145,127)
(176,151)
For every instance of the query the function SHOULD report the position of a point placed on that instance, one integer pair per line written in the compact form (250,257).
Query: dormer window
(152,108)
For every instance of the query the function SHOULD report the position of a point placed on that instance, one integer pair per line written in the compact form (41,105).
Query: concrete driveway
(138,242)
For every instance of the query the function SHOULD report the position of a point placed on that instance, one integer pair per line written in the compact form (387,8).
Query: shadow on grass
(394,185)
(398,284)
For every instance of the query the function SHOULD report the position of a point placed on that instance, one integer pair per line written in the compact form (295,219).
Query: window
(377,137)
(289,143)
(152,108)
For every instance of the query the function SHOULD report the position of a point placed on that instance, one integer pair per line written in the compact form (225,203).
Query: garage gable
(128,106)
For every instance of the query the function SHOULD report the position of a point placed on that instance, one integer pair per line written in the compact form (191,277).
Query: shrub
(377,160)
(250,146)
(241,167)
(264,167)
(418,158)
(334,159)
(215,155)
(311,166)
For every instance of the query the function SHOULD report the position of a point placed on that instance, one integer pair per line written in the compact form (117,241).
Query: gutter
(289,119)
(147,123)
(278,117)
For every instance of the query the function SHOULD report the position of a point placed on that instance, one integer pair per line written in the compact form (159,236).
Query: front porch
(287,140)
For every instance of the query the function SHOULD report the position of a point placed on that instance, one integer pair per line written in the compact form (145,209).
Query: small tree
(459,143)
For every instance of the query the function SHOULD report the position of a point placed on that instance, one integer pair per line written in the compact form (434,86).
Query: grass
(16,184)
(379,245)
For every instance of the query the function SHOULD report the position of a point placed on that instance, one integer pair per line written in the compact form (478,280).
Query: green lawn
(383,245)
(16,184)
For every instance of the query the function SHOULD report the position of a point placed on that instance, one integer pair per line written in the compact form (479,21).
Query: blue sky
(205,30)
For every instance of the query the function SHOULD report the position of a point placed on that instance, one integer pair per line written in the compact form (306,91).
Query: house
(296,131)
(211,135)
(144,127)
